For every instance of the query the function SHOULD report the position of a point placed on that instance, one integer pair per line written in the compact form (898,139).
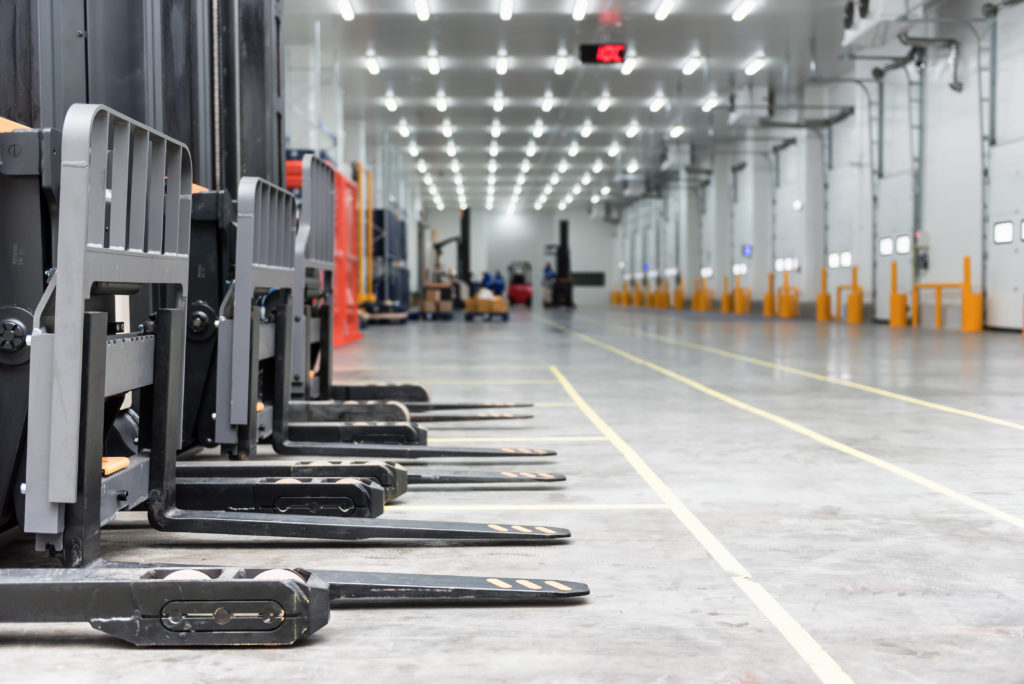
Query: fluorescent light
(505,9)
(491,179)
(441,101)
(658,102)
(756,63)
(633,129)
(598,166)
(372,64)
(446,128)
(492,149)
(414,149)
(531,148)
(553,180)
(501,63)
(524,166)
(511,208)
(587,178)
(495,128)
(538,128)
(574,149)
(421,166)
(454,166)
(450,148)
(499,100)
(577,189)
(743,10)
(693,63)
(594,199)
(423,10)
(492,166)
(561,61)
(628,65)
(632,167)
(586,129)
(604,102)
(403,128)
(563,166)
(433,62)
(709,103)
(614,149)
(562,206)
(568,199)
(345,10)
(440,205)
(663,9)
(548,102)
(605,191)
(676,131)
(579,10)
(427,179)
(520,179)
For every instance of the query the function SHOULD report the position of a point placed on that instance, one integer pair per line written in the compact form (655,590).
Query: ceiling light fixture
(676,131)
(492,166)
(441,101)
(495,128)
(531,148)
(579,10)
(633,129)
(632,167)
(450,148)
(547,190)
(553,180)
(563,166)
(595,199)
(755,64)
(345,10)
(561,61)
(499,100)
(743,10)
(709,103)
(538,128)
(433,61)
(403,128)
(614,149)
(505,9)
(455,166)
(372,63)
(548,101)
(423,10)
(587,178)
(427,179)
(663,9)
(628,65)
(694,62)
(657,102)
(521,179)
(598,166)
(577,189)
(586,129)
(492,149)
(446,128)
(421,166)
(605,191)
(604,102)
(501,63)
(414,149)
(390,102)
(562,206)
(524,166)
(574,149)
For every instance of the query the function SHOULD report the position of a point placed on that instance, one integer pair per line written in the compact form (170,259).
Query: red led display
(602,53)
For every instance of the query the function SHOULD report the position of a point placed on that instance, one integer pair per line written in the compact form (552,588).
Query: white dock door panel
(1004,249)
(895,239)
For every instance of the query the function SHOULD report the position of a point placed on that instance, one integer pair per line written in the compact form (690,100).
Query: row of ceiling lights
(506,8)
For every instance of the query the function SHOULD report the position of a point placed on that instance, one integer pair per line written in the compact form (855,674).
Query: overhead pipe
(990,9)
(913,56)
(951,43)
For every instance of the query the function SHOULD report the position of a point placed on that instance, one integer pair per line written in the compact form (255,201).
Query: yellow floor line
(493,381)
(811,434)
(529,507)
(820,662)
(834,381)
(442,366)
(516,439)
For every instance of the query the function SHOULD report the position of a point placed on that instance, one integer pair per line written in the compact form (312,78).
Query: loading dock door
(895,239)
(1004,242)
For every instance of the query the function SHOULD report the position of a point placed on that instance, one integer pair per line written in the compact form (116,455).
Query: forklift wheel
(529,301)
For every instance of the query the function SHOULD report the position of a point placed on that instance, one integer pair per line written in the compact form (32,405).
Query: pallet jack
(124,208)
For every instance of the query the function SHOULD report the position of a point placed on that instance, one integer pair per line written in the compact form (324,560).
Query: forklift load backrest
(264,261)
(314,260)
(124,209)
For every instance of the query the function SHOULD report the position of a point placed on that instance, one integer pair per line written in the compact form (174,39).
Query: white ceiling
(468,34)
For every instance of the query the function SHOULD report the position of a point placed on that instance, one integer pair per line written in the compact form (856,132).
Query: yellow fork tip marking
(526,451)
(520,528)
(557,585)
(547,476)
(528,584)
(545,530)
(499,583)
(498,528)
(508,450)
(529,475)
(539,451)
(508,474)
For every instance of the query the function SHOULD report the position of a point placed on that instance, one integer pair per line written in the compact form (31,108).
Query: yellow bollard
(789,299)
(768,304)
(855,304)
(824,299)
(897,303)
(726,303)
(972,310)
(679,296)
(741,297)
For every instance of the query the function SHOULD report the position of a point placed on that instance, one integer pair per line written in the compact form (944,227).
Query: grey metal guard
(264,261)
(314,249)
(124,211)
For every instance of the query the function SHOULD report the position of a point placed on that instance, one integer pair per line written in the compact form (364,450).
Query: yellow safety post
(970,306)
(679,296)
(854,304)
(897,302)
(726,304)
(638,294)
(695,300)
(789,299)
(741,297)
(616,297)
(822,312)
(768,305)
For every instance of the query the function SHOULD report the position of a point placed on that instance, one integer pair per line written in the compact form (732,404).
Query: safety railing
(660,298)
(854,303)
(741,297)
(679,295)
(789,298)
(768,304)
(897,302)
(970,303)
(823,308)
(702,296)
(725,303)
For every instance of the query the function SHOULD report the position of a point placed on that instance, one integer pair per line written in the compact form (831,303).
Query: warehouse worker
(498,284)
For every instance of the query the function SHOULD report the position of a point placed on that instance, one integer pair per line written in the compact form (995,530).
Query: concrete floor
(897,580)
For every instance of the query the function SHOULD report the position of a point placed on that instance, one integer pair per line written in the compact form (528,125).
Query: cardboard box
(432,294)
(499,305)
(445,306)
(428,306)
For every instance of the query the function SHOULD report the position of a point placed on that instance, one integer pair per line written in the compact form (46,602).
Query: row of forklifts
(166,346)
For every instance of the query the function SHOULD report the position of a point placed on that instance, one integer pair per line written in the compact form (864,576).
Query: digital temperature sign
(603,53)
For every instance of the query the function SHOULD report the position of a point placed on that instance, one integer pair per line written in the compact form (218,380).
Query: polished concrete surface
(889,532)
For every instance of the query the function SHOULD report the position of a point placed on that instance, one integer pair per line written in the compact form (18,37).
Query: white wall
(498,238)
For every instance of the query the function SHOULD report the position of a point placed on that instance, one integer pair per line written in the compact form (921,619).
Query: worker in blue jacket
(498,284)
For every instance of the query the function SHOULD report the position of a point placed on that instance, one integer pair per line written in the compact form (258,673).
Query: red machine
(346,251)
(520,289)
